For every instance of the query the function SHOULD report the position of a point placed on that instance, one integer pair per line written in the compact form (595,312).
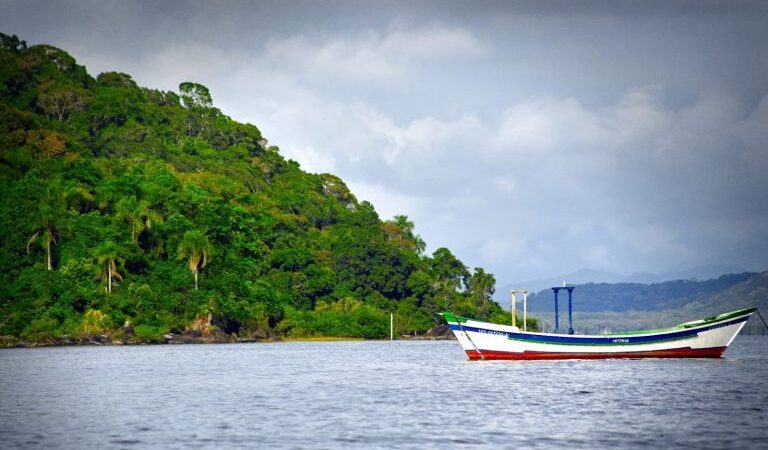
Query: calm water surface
(375,395)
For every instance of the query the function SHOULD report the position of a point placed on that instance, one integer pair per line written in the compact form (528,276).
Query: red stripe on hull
(714,352)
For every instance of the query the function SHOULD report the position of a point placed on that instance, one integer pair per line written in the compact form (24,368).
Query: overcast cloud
(532,139)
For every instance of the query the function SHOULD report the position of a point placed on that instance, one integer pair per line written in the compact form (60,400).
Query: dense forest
(133,213)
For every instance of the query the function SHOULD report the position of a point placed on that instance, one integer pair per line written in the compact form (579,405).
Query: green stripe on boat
(451,318)
(682,326)
(601,344)
(723,316)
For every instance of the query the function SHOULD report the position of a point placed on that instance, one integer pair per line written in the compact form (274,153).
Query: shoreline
(439,332)
(9,342)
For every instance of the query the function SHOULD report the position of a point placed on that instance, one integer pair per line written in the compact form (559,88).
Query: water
(357,395)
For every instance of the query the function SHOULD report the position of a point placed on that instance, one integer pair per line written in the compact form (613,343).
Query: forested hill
(133,212)
(630,306)
(725,292)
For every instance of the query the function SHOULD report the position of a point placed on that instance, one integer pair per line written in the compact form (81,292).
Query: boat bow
(706,338)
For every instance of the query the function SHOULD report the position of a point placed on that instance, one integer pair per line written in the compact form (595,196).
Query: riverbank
(107,340)
(440,332)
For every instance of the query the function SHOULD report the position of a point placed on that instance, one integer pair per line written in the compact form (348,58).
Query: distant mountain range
(584,276)
(622,306)
(637,296)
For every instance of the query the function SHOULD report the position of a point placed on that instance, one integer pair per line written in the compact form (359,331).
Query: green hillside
(672,306)
(134,212)
(638,296)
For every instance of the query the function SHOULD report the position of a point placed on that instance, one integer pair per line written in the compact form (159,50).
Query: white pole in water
(525,309)
(391,327)
(514,301)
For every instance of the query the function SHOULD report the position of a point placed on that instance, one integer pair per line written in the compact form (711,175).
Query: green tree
(49,221)
(482,285)
(138,214)
(107,258)
(291,247)
(448,270)
(400,229)
(195,95)
(59,104)
(195,246)
(12,43)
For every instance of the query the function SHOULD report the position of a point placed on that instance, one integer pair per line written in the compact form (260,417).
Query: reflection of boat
(706,338)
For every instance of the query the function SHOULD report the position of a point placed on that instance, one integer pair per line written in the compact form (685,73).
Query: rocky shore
(438,333)
(126,336)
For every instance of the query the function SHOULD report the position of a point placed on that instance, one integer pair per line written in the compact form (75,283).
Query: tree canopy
(117,182)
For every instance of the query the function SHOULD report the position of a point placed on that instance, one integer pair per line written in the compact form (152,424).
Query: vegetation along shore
(134,215)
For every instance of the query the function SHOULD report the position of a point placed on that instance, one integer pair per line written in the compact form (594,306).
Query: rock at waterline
(192,333)
(440,332)
(128,331)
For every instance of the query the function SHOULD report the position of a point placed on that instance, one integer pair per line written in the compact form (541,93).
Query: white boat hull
(708,338)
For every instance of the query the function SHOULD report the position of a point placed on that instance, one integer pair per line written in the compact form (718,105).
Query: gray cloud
(535,138)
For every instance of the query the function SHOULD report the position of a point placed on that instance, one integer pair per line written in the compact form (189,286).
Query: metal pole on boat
(391,327)
(514,302)
(570,309)
(557,314)
(525,310)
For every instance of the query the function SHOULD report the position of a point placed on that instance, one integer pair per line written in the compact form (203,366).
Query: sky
(532,138)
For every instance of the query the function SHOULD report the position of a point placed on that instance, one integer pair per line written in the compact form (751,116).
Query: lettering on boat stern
(620,341)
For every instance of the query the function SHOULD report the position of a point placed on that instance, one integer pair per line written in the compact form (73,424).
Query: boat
(705,338)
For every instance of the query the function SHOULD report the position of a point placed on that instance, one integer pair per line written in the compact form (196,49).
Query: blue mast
(557,313)
(570,309)
(556,290)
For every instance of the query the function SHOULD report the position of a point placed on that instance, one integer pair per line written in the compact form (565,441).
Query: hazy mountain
(602,307)
(584,276)
(705,272)
(751,292)
(636,296)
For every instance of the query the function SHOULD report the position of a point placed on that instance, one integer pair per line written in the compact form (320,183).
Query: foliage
(108,257)
(148,333)
(103,181)
(94,322)
(196,246)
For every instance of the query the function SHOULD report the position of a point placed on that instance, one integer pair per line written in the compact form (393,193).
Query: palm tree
(125,211)
(47,237)
(79,196)
(148,215)
(107,258)
(406,232)
(48,223)
(406,226)
(138,213)
(419,245)
(196,246)
(50,220)
(106,195)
